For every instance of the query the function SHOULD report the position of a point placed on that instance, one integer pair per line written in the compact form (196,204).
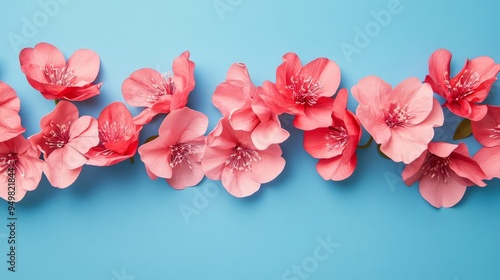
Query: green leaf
(151,138)
(463,131)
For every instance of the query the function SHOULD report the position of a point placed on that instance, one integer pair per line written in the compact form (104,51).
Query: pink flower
(232,157)
(487,130)
(304,91)
(402,119)
(468,88)
(336,144)
(118,135)
(177,152)
(487,158)
(21,168)
(47,71)
(444,171)
(64,141)
(10,122)
(240,101)
(159,93)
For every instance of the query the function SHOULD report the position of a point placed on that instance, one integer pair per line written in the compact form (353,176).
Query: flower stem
(131,159)
(362,147)
(382,153)
(56,101)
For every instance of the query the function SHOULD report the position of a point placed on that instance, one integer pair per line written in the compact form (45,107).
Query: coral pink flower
(305,91)
(10,122)
(402,119)
(159,93)
(336,144)
(240,101)
(64,141)
(47,71)
(177,152)
(118,135)
(487,130)
(468,88)
(232,158)
(20,162)
(487,158)
(444,171)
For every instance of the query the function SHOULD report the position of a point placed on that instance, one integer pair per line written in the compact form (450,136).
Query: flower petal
(140,86)
(85,66)
(270,165)
(156,156)
(442,194)
(239,183)
(487,158)
(56,171)
(439,71)
(42,55)
(337,168)
(417,97)
(243,118)
(317,115)
(184,175)
(183,125)
(326,72)
(268,133)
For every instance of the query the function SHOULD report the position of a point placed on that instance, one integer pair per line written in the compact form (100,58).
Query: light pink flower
(240,101)
(304,91)
(402,119)
(177,152)
(232,158)
(468,88)
(487,130)
(336,144)
(47,71)
(20,167)
(64,140)
(159,93)
(444,171)
(10,122)
(118,135)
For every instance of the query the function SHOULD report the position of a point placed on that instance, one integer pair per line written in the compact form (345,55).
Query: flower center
(304,90)
(58,136)
(437,168)
(241,159)
(337,137)
(396,116)
(111,132)
(61,76)
(165,87)
(180,153)
(8,159)
(7,162)
(495,132)
(464,86)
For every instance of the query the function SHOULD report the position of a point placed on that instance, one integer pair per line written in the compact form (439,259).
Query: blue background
(115,223)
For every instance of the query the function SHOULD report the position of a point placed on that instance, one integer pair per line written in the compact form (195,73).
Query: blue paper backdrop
(115,223)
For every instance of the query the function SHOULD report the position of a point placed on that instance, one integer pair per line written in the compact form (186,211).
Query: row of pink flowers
(243,150)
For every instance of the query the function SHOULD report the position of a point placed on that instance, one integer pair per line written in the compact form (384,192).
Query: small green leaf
(56,101)
(463,131)
(382,153)
(151,138)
